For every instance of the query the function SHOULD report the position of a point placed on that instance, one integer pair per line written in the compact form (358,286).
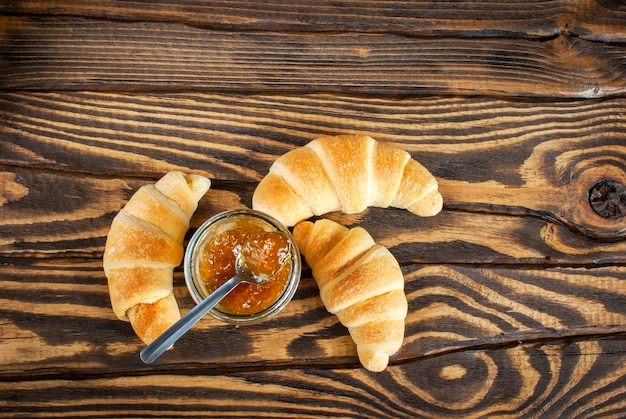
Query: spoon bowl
(270,245)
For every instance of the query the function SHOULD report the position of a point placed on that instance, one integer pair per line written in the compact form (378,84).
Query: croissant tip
(198,184)
(373,361)
(429,206)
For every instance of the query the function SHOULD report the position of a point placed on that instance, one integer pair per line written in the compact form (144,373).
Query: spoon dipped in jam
(250,268)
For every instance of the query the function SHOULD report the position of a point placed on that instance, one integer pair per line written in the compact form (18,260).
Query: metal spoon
(244,274)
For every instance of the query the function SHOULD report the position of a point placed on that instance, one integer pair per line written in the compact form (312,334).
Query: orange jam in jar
(267,255)
(211,260)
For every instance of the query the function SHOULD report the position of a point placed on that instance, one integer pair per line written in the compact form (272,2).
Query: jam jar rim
(274,308)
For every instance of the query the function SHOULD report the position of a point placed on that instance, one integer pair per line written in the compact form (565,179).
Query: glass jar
(210,260)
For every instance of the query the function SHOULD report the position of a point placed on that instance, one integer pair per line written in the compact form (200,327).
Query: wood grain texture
(491,156)
(451,309)
(597,20)
(148,57)
(568,380)
(44,212)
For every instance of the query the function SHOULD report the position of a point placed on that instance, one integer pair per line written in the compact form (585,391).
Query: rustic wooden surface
(517,290)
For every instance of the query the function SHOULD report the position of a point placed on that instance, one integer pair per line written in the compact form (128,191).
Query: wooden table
(517,289)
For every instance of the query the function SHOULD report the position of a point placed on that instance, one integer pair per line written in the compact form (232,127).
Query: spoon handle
(175,331)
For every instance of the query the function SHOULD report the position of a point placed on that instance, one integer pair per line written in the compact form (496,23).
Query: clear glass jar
(210,258)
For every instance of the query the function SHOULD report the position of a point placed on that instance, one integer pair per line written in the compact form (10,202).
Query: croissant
(361,283)
(347,173)
(144,245)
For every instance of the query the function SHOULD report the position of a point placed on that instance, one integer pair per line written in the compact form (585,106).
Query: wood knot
(608,199)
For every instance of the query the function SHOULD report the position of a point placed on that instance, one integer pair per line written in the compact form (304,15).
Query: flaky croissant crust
(144,245)
(360,282)
(345,173)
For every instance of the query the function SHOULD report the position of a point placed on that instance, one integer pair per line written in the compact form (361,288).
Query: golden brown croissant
(347,173)
(144,246)
(360,282)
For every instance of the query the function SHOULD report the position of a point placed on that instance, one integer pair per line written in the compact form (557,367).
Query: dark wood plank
(55,215)
(491,156)
(579,379)
(451,309)
(598,20)
(101,133)
(74,54)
